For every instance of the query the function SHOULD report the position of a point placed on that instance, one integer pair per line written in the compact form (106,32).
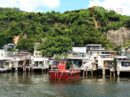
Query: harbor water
(38,85)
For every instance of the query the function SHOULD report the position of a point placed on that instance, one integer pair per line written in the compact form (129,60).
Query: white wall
(45,62)
(37,53)
(122,68)
(79,49)
(2,53)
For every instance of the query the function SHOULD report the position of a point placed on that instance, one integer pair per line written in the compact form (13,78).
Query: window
(125,64)
(41,63)
(1,54)
(36,63)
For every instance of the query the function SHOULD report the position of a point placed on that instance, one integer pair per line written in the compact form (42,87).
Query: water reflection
(38,85)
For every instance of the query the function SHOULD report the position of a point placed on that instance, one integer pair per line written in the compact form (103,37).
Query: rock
(118,37)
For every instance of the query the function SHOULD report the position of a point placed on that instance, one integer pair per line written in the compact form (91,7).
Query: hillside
(77,28)
(119,37)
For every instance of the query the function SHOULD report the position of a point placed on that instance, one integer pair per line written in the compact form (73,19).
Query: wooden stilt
(103,73)
(114,75)
(86,73)
(92,73)
(111,74)
(118,73)
(83,74)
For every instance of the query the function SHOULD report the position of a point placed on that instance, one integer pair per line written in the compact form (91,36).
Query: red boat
(62,74)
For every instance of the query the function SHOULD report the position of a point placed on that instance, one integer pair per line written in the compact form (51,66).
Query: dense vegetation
(61,31)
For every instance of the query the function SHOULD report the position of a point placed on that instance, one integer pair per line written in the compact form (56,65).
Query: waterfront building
(99,60)
(9,46)
(84,57)
(39,63)
(92,52)
(22,61)
(123,66)
(77,56)
(6,60)
(105,62)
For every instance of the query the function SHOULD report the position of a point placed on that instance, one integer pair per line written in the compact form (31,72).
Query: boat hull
(64,75)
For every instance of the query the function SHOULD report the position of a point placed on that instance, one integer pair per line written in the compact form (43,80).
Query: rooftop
(79,49)
(93,45)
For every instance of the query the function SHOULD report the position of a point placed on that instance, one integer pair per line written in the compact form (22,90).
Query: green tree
(76,26)
(25,44)
(56,45)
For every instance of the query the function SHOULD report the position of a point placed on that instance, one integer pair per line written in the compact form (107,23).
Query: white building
(5,53)
(105,60)
(39,63)
(37,52)
(6,60)
(92,52)
(123,64)
(85,56)
(78,56)
(99,59)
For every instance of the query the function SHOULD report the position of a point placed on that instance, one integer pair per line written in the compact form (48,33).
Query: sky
(120,6)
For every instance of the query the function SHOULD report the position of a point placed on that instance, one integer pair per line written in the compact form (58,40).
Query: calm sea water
(38,85)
